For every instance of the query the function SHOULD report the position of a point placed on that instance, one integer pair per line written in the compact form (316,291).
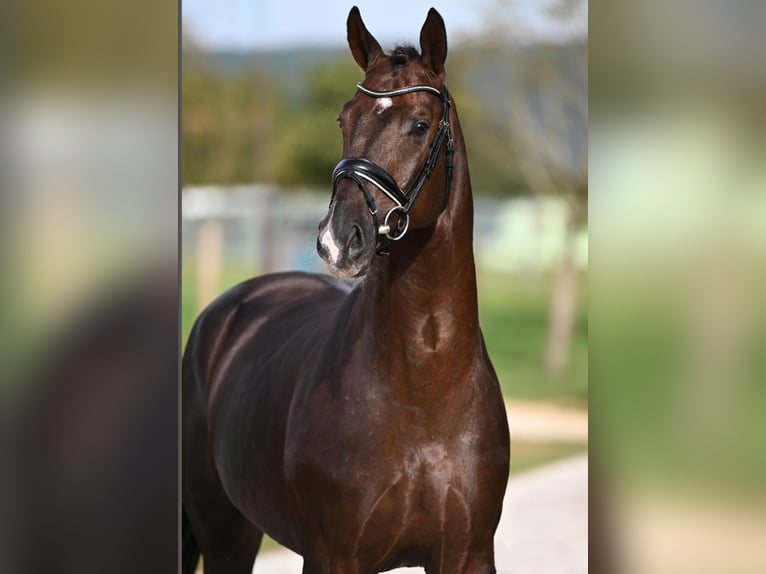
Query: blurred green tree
(472,81)
(541,122)
(228,122)
(308,143)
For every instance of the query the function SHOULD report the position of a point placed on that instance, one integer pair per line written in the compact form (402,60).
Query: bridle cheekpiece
(363,171)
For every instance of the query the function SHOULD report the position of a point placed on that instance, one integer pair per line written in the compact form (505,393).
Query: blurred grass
(513,312)
(670,412)
(526,456)
(514,319)
(231,275)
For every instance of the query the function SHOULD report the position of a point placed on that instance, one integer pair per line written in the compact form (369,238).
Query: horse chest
(379,476)
(395,478)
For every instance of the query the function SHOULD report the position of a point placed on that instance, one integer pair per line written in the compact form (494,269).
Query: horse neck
(422,297)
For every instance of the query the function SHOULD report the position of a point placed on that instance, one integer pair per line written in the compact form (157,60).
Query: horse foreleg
(332,566)
(239,561)
(458,557)
(228,543)
(480,564)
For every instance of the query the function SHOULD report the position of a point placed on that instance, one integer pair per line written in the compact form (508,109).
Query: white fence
(273,229)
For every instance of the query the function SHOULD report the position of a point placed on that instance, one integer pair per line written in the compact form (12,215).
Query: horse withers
(363,427)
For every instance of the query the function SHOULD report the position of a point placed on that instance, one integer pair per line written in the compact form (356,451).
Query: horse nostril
(355,242)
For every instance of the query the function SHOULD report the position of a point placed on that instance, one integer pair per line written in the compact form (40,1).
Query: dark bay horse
(361,427)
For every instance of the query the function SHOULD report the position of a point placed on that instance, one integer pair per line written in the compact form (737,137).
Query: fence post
(209,256)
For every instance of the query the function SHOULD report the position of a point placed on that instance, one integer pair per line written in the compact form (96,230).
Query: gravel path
(543,529)
(544,526)
(544,422)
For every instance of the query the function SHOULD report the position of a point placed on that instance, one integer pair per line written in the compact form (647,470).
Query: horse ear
(433,42)
(364,46)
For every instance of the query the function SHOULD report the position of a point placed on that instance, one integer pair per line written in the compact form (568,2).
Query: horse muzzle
(346,241)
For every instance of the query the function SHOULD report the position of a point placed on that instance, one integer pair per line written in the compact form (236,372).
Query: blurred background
(89,337)
(262,86)
(676,317)
(677,308)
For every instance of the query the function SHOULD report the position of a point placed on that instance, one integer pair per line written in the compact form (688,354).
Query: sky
(270,24)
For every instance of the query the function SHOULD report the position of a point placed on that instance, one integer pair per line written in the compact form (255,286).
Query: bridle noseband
(363,171)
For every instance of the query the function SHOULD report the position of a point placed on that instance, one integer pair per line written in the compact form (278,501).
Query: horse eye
(421,127)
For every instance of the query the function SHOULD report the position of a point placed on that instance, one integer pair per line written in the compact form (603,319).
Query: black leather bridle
(363,171)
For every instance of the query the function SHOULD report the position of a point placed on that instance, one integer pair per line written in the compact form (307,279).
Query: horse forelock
(402,66)
(402,55)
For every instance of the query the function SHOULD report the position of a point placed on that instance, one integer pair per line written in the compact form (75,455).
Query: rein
(363,171)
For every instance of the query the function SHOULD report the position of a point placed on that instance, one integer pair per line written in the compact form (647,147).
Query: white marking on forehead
(329,242)
(383,104)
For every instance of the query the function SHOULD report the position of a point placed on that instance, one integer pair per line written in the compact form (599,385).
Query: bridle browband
(363,171)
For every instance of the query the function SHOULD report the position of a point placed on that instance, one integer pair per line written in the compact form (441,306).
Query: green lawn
(231,275)
(514,319)
(529,455)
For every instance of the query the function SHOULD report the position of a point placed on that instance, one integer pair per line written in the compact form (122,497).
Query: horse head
(397,149)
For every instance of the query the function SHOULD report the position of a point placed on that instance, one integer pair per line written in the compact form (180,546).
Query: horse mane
(403,54)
